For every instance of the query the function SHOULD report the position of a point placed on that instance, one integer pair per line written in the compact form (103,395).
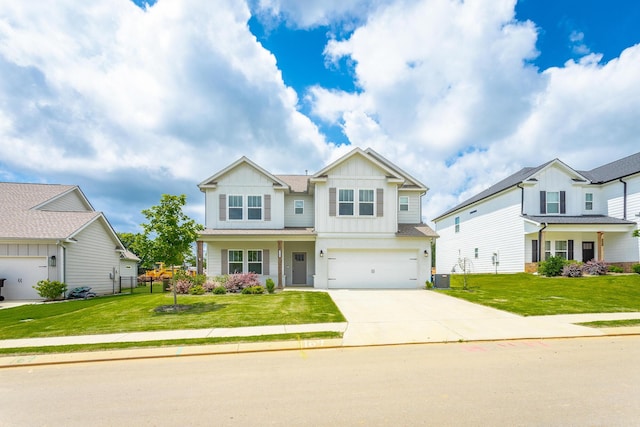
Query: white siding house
(548,210)
(354,224)
(52,232)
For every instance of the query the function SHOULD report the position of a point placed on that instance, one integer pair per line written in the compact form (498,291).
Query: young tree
(170,232)
(139,245)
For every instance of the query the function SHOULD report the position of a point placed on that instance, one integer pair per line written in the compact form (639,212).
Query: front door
(299,266)
(588,251)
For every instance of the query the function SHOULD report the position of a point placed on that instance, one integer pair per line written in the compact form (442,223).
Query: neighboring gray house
(52,232)
(542,211)
(354,224)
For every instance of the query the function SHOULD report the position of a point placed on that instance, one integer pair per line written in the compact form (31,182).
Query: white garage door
(366,269)
(22,273)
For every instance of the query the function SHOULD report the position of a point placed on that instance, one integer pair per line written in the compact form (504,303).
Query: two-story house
(354,224)
(542,211)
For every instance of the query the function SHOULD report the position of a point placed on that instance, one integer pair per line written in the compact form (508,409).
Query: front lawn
(137,312)
(531,295)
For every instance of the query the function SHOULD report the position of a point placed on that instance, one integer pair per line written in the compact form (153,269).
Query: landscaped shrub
(256,289)
(183,286)
(572,269)
(210,285)
(237,282)
(271,286)
(595,268)
(50,289)
(552,266)
(615,269)
(219,290)
(196,290)
(636,268)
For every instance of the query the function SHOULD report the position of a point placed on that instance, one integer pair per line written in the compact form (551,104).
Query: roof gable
(212,181)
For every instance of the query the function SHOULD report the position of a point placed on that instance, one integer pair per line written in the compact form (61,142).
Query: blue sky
(131,101)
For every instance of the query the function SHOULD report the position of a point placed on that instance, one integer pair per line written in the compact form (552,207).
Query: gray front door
(588,251)
(299,265)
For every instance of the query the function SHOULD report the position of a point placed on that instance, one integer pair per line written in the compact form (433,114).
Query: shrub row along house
(549,210)
(51,232)
(354,224)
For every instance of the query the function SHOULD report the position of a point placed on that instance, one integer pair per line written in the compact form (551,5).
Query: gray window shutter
(265,262)
(534,251)
(267,207)
(543,202)
(379,202)
(224,267)
(570,250)
(563,202)
(332,201)
(222,206)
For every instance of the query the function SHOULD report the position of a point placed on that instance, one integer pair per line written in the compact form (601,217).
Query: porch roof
(290,232)
(578,220)
(415,230)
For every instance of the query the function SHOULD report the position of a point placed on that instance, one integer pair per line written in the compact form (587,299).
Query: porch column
(279,264)
(199,256)
(600,246)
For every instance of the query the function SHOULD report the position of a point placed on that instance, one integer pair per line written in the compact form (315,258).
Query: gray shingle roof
(19,220)
(629,165)
(415,230)
(585,219)
(297,183)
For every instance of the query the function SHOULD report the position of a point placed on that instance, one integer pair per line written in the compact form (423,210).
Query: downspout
(521,198)
(624,203)
(540,242)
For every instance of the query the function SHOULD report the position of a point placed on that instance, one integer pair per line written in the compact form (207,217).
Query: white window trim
(229,262)
(255,208)
(556,204)
(229,207)
(353,203)
(588,204)
(296,207)
(456,224)
(261,262)
(400,204)
(372,202)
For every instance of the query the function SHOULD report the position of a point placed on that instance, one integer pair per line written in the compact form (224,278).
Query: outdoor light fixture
(426,253)
(52,261)
(321,253)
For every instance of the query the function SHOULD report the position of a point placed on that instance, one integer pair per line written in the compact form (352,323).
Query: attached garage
(367,269)
(21,274)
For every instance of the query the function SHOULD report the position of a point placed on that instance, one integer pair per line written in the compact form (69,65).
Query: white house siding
(291,219)
(478,230)
(93,260)
(70,202)
(214,256)
(246,181)
(413,215)
(32,250)
(385,253)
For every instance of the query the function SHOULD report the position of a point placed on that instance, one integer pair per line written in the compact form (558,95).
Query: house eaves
(211,182)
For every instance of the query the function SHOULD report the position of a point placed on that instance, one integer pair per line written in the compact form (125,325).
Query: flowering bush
(210,285)
(595,268)
(183,286)
(572,270)
(237,282)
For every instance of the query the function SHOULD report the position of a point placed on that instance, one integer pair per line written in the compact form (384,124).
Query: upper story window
(365,202)
(254,261)
(298,207)
(553,202)
(404,203)
(235,208)
(235,261)
(588,201)
(254,207)
(456,221)
(345,202)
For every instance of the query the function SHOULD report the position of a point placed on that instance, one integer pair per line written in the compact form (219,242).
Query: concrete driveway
(417,316)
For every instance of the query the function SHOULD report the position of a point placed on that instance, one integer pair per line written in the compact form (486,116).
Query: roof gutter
(540,241)
(521,198)
(624,203)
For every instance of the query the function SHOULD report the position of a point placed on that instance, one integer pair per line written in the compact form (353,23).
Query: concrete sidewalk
(375,317)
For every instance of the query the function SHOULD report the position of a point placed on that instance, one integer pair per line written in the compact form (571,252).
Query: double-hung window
(365,202)
(547,249)
(456,222)
(235,207)
(553,202)
(345,202)
(298,207)
(561,249)
(235,261)
(588,201)
(254,261)
(254,207)
(404,203)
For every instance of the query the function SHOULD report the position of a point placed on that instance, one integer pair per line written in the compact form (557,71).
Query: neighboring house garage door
(22,273)
(366,269)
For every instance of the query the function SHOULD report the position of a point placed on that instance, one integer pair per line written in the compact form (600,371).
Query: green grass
(531,295)
(167,343)
(612,323)
(133,313)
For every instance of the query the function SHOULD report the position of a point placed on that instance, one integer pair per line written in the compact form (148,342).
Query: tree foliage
(139,245)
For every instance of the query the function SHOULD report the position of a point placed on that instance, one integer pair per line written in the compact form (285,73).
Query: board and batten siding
(492,226)
(92,259)
(70,202)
